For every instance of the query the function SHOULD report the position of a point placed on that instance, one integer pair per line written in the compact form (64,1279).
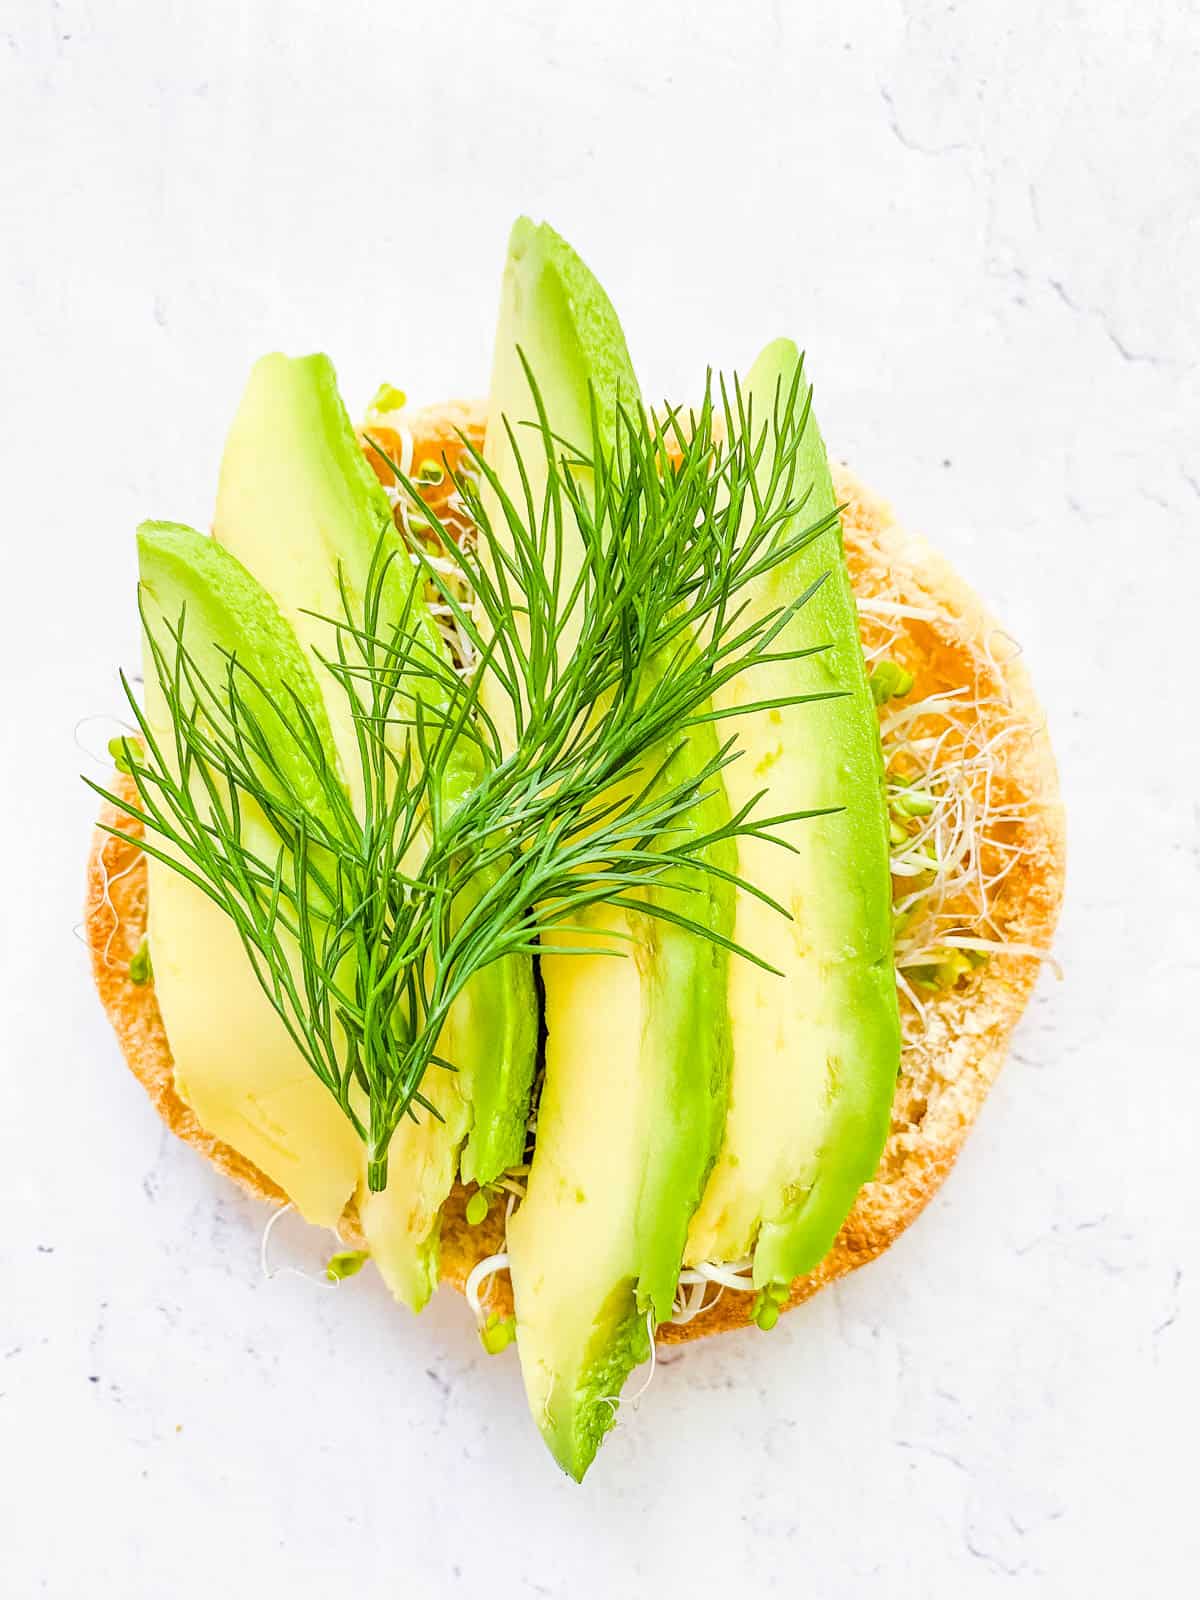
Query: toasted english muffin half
(914,606)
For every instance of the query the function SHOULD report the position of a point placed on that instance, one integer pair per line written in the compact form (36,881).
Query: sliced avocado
(300,506)
(554,309)
(235,1063)
(816,1052)
(637,1049)
(264,1099)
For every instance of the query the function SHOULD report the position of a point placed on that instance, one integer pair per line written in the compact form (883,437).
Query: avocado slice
(265,1101)
(555,310)
(815,1052)
(637,1047)
(299,505)
(235,1063)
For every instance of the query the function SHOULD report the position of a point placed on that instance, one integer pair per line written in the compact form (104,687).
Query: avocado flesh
(637,1048)
(298,504)
(553,308)
(235,1063)
(816,1052)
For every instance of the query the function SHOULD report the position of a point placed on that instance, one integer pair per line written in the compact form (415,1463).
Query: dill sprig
(475,843)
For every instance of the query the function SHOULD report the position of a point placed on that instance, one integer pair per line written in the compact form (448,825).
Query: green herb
(888,680)
(364,930)
(497,1334)
(388,398)
(122,753)
(477,1208)
(768,1303)
(140,969)
(945,968)
(913,803)
(345,1264)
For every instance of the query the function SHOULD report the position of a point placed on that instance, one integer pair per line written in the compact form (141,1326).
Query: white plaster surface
(982,220)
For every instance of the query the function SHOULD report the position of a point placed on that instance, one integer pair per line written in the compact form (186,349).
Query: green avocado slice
(299,505)
(262,1098)
(637,1049)
(816,1051)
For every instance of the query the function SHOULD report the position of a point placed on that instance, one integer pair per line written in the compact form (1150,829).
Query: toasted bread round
(936,626)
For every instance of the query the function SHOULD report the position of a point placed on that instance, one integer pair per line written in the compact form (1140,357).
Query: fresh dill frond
(363,929)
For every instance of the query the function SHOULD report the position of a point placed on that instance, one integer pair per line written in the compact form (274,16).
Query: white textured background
(982,222)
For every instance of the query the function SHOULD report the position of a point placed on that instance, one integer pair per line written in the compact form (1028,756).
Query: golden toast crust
(944,1078)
